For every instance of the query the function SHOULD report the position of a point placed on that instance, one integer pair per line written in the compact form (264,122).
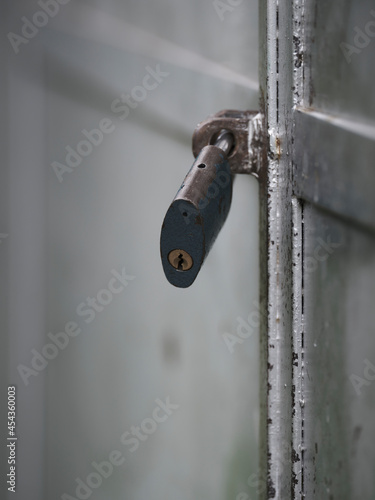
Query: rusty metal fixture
(246,128)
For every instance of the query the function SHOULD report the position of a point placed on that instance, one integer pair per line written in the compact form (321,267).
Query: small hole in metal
(184,214)
(201,165)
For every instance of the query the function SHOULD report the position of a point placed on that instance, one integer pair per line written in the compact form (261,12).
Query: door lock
(225,144)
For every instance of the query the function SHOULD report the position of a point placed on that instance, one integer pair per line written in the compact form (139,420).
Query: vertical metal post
(276,249)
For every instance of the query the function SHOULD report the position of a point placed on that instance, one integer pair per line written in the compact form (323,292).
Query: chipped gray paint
(276,255)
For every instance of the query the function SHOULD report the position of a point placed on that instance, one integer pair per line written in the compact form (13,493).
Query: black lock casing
(197,213)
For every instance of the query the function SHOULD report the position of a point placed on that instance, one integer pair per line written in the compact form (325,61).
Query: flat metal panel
(338,337)
(333,253)
(333,164)
(338,51)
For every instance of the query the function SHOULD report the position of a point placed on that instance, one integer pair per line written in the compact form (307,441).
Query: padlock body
(196,215)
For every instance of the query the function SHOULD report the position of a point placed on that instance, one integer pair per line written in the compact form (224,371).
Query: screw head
(180,260)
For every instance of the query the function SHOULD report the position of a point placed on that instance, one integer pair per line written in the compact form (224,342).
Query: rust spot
(198,220)
(278,147)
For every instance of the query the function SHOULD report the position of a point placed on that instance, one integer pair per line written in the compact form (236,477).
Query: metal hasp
(225,144)
(246,127)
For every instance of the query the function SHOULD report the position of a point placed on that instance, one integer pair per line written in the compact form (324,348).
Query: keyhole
(180,260)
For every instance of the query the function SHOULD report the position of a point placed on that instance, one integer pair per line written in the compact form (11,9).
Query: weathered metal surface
(298,362)
(317,248)
(276,250)
(334,265)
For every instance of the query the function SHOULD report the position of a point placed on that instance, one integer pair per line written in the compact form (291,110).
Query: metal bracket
(246,127)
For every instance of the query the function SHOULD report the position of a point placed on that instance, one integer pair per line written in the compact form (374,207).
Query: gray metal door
(317,246)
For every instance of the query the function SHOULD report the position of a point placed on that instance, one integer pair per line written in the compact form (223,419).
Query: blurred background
(69,224)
